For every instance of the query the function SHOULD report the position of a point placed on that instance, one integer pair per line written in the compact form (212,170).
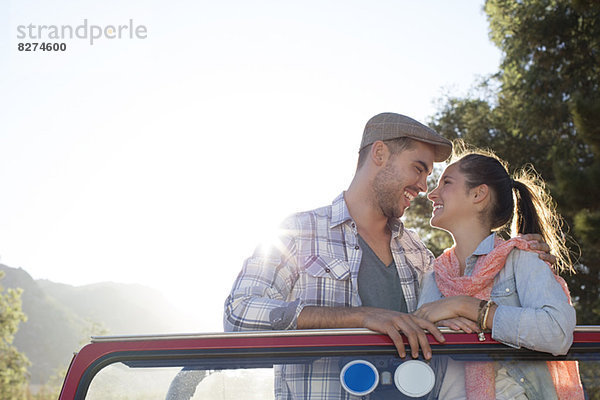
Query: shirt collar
(397,227)
(340,214)
(339,211)
(486,245)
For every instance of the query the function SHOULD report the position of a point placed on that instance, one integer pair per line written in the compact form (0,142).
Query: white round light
(414,378)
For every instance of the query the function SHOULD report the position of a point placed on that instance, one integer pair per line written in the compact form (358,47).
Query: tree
(52,388)
(13,364)
(543,107)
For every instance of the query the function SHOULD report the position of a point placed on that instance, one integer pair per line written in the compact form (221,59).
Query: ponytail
(521,202)
(525,219)
(535,212)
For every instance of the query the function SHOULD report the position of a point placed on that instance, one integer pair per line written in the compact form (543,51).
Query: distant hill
(122,309)
(61,317)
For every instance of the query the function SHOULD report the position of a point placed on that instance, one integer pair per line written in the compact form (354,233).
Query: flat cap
(386,126)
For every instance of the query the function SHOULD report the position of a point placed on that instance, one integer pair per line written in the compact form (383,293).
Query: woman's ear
(480,193)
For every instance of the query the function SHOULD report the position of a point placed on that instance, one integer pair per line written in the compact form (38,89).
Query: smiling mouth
(437,207)
(408,195)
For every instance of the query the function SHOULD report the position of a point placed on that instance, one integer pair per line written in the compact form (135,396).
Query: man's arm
(259,297)
(391,323)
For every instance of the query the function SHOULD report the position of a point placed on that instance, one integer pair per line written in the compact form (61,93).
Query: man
(335,265)
(351,264)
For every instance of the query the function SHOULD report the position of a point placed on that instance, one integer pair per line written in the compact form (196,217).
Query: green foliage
(13,365)
(543,108)
(51,389)
(61,318)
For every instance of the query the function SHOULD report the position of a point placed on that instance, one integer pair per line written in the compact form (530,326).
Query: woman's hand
(460,324)
(445,309)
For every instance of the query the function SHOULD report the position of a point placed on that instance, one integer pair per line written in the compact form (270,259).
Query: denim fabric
(533,312)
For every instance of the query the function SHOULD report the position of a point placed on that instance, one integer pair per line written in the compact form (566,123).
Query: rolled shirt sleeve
(539,315)
(259,297)
(314,263)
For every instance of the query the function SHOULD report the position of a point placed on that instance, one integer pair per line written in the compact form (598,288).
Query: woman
(486,283)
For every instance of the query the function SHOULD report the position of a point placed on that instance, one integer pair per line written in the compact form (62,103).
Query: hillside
(61,317)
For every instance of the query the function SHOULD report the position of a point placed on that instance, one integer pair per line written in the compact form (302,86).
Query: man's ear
(480,193)
(379,153)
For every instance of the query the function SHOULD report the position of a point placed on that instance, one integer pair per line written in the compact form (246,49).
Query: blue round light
(359,377)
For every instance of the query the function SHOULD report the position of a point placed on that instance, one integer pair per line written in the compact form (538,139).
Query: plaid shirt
(315,263)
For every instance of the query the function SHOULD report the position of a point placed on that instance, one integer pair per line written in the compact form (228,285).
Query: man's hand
(536,242)
(392,323)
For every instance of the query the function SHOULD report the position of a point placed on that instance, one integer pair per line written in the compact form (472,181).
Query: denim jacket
(533,312)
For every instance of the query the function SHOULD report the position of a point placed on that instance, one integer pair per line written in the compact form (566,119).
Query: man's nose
(422,184)
(432,195)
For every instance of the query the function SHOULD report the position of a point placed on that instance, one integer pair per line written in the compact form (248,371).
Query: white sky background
(164,161)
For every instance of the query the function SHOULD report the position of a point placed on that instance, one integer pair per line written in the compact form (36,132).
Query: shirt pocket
(505,292)
(325,267)
(326,282)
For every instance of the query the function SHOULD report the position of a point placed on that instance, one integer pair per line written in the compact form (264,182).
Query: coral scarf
(480,376)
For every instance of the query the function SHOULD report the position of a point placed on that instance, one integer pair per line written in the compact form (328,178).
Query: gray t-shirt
(378,284)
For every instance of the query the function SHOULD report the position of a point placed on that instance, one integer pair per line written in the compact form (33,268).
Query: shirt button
(522,380)
(356,247)
(353,225)
(507,290)
(327,270)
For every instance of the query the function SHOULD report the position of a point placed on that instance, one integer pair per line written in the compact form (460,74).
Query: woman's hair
(521,201)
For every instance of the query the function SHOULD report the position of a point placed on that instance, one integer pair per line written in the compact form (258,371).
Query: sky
(164,157)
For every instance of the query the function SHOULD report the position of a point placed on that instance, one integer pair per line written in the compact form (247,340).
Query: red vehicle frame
(104,351)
